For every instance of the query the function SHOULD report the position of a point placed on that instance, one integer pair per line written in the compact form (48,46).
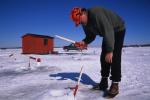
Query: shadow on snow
(85,79)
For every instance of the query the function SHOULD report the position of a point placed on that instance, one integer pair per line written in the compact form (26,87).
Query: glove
(81,45)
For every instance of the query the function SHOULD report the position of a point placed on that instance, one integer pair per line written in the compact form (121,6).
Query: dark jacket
(104,23)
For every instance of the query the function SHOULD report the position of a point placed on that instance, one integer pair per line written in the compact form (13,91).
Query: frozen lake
(56,73)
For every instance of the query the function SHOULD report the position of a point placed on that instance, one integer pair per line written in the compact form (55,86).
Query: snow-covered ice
(56,73)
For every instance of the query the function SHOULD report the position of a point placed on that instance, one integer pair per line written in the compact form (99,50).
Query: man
(98,21)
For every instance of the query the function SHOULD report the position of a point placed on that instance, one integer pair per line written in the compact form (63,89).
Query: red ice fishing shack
(37,44)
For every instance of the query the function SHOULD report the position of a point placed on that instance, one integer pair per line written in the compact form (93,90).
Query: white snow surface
(52,79)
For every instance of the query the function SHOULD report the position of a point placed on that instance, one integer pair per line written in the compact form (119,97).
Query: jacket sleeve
(107,31)
(89,36)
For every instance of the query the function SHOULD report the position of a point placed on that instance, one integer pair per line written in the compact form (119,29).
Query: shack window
(45,41)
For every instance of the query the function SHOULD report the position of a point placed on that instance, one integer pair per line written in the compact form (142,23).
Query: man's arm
(107,31)
(108,35)
(89,36)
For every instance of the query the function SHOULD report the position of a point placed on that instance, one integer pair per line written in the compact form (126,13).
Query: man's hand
(108,57)
(82,45)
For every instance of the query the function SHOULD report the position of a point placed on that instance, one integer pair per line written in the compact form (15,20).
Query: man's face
(84,19)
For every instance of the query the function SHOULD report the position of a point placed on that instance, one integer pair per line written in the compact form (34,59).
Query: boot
(114,90)
(103,85)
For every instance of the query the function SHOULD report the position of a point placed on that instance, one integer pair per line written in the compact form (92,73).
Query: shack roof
(37,35)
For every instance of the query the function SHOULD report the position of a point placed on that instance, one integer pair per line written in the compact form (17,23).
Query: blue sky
(50,17)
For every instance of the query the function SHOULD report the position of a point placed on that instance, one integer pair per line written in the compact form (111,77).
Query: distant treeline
(134,45)
(137,45)
(11,48)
